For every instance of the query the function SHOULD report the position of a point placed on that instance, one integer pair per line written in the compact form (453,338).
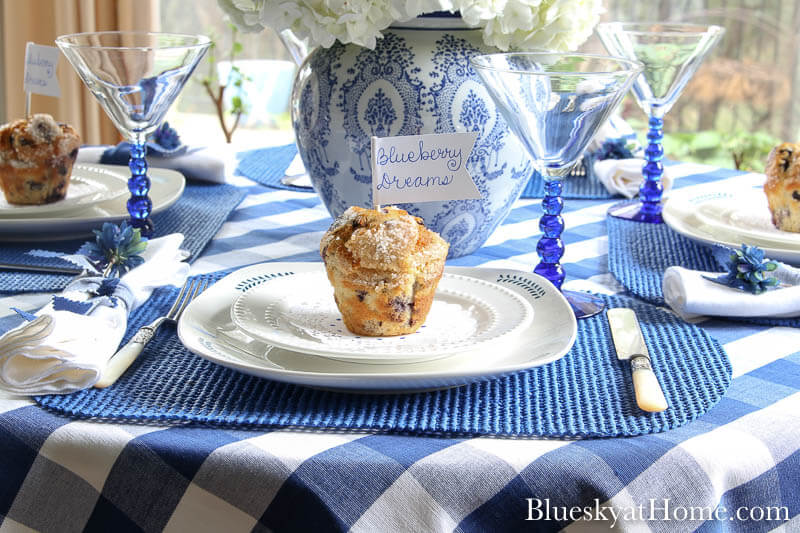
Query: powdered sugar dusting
(384,244)
(43,128)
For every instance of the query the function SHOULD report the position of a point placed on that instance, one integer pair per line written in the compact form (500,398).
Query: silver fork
(126,355)
(579,170)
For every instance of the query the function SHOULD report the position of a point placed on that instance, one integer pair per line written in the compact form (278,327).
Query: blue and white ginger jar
(417,80)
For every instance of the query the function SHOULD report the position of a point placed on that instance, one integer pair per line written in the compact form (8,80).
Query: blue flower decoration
(166,137)
(115,249)
(748,271)
(620,148)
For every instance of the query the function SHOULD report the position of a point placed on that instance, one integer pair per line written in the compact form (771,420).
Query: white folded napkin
(61,350)
(690,295)
(202,164)
(623,176)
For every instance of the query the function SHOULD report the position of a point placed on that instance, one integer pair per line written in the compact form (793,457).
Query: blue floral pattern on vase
(416,81)
(474,114)
(380,114)
(460,103)
(312,119)
(381,81)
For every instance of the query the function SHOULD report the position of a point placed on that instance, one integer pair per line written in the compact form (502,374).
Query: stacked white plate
(96,194)
(279,321)
(732,214)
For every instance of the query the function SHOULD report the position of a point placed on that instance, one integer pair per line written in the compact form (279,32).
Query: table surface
(740,461)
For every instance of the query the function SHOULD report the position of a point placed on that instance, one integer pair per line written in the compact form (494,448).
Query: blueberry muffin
(36,158)
(783,186)
(384,266)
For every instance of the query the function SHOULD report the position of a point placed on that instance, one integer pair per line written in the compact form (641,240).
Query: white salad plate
(88,186)
(166,187)
(207,329)
(735,215)
(299,313)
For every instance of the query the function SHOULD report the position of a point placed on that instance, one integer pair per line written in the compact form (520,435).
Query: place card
(422,168)
(40,70)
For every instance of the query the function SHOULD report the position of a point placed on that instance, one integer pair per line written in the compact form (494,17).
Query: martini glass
(671,54)
(135,76)
(554,103)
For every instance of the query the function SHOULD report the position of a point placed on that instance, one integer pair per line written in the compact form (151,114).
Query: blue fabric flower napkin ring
(747,269)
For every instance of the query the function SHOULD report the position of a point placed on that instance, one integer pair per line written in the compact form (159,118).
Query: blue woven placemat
(588,393)
(198,214)
(268,165)
(639,254)
(576,187)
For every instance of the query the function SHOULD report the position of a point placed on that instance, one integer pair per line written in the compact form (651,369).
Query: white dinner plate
(206,329)
(732,214)
(88,185)
(299,313)
(166,187)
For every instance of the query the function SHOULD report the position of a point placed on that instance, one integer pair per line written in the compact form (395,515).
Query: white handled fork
(126,355)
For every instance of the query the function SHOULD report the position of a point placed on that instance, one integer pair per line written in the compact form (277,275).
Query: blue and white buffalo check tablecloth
(735,468)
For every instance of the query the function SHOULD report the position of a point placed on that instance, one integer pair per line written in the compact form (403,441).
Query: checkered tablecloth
(736,468)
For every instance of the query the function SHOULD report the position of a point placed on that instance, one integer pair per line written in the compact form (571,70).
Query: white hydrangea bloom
(246,14)
(532,24)
(348,21)
(476,12)
(507,24)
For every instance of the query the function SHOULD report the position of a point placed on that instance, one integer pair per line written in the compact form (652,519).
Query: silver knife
(630,345)
(41,268)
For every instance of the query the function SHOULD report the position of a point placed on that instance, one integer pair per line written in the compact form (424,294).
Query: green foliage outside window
(217,89)
(740,150)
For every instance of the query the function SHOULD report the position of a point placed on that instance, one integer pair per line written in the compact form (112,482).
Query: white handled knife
(629,344)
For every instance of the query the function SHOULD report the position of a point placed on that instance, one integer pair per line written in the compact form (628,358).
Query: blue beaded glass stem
(651,189)
(550,246)
(139,204)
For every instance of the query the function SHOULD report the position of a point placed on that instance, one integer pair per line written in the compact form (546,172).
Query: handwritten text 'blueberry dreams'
(40,70)
(422,168)
(453,156)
